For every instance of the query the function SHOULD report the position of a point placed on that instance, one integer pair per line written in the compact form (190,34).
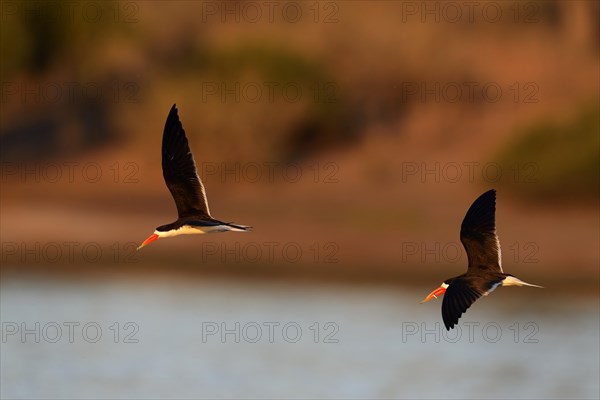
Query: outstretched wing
(179,170)
(458,298)
(478,234)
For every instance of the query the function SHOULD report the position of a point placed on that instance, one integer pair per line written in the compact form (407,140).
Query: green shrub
(556,160)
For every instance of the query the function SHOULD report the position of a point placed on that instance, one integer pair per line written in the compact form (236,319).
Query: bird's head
(150,239)
(437,292)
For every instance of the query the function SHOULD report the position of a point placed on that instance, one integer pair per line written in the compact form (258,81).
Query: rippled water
(221,339)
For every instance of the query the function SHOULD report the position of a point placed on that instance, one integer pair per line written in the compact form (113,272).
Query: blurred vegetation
(321,124)
(40,42)
(351,78)
(44,48)
(354,76)
(556,160)
(36,35)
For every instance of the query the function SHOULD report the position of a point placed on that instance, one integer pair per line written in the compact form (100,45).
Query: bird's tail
(239,228)
(514,281)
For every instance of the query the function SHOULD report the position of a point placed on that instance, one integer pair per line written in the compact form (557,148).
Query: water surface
(224,339)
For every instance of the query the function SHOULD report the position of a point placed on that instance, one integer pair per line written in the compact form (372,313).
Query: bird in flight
(181,177)
(484,273)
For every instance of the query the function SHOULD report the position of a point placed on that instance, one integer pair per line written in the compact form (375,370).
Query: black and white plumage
(182,180)
(179,170)
(484,272)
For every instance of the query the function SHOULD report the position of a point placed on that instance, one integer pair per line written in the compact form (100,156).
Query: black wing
(179,170)
(458,298)
(478,234)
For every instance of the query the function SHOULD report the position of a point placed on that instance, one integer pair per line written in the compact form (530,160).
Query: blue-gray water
(162,339)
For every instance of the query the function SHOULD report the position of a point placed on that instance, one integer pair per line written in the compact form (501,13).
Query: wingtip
(172,118)
(487,194)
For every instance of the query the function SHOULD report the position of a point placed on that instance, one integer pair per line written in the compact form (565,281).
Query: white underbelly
(193,230)
(197,230)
